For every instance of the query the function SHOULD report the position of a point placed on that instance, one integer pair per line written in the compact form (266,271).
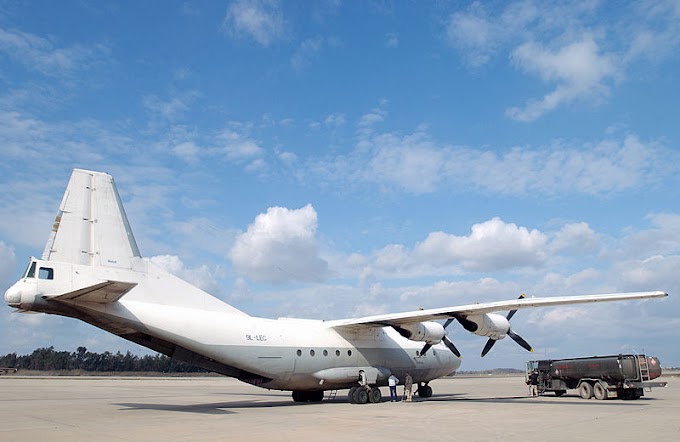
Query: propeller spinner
(445,340)
(515,337)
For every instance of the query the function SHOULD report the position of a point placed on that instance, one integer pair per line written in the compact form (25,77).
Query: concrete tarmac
(190,409)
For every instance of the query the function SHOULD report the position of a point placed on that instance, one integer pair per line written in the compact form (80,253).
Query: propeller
(515,337)
(445,340)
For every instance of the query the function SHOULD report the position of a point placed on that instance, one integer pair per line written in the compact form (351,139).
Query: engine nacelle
(429,331)
(491,325)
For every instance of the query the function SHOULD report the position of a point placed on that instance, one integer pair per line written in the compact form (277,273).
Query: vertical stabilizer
(91,227)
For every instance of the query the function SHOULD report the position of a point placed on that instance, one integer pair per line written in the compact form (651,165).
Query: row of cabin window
(325,352)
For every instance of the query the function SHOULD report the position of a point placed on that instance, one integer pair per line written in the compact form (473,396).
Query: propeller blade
(488,346)
(448,322)
(512,312)
(426,347)
(518,339)
(452,347)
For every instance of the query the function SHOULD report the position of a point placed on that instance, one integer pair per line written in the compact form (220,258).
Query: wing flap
(487,307)
(103,293)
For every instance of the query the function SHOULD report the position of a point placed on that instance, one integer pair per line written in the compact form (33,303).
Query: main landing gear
(364,395)
(424,391)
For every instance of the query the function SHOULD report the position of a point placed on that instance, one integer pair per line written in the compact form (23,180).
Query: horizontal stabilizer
(104,293)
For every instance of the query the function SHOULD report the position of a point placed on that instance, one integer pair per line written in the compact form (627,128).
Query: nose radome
(13,296)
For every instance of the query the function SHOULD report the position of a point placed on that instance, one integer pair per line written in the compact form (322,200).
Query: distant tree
(48,359)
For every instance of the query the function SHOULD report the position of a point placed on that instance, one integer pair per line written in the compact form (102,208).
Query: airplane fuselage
(284,354)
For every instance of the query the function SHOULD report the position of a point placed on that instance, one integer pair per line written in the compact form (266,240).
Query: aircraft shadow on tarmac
(282,401)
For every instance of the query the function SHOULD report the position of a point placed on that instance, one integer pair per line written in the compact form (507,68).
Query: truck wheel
(585,390)
(600,391)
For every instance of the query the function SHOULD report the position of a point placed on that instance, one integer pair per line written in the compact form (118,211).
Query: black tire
(632,394)
(559,393)
(600,391)
(585,390)
(425,391)
(315,396)
(375,395)
(361,396)
(350,395)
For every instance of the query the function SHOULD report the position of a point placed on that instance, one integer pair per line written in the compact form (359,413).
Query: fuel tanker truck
(620,376)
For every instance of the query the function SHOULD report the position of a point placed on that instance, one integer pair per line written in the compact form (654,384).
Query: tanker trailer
(618,376)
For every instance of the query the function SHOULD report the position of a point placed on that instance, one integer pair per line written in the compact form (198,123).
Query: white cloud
(202,276)
(579,69)
(39,54)
(575,238)
(411,162)
(261,20)
(236,145)
(376,115)
(171,109)
(565,44)
(391,40)
(662,238)
(8,262)
(473,33)
(335,120)
(188,151)
(280,246)
(308,50)
(417,164)
(492,246)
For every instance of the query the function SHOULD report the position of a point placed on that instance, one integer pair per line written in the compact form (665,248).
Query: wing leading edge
(396,319)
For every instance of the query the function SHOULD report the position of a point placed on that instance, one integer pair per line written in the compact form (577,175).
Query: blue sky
(333,159)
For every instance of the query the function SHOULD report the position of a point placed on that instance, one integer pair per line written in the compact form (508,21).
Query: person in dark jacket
(533,383)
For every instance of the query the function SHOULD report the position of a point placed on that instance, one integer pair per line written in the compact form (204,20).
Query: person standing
(392,381)
(408,387)
(533,383)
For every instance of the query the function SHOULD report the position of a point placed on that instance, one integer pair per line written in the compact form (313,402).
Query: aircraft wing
(396,319)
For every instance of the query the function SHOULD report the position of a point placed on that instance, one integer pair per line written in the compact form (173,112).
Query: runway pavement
(188,409)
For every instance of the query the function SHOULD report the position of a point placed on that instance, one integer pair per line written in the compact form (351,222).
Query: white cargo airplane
(92,270)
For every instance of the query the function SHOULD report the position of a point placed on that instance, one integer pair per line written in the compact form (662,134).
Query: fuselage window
(349,352)
(311,352)
(337,352)
(299,352)
(325,352)
(30,273)
(46,273)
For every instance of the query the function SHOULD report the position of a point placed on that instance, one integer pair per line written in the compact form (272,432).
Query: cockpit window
(46,273)
(30,271)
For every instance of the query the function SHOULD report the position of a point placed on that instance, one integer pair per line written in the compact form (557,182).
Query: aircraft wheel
(600,391)
(298,396)
(361,396)
(350,395)
(375,395)
(559,393)
(585,390)
(425,391)
(315,396)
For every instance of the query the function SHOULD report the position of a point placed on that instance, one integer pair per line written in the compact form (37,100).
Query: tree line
(48,359)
